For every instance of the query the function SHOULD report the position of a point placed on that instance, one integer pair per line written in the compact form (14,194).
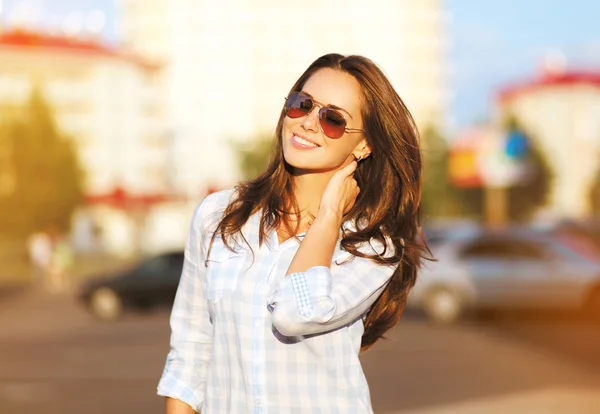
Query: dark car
(152,282)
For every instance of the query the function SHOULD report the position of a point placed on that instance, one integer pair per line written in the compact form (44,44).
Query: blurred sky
(493,41)
(496,42)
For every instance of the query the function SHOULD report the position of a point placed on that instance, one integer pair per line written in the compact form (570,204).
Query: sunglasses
(332,122)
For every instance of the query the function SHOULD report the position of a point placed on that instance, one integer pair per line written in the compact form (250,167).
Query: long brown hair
(387,206)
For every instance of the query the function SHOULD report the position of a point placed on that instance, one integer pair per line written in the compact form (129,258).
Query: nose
(311,121)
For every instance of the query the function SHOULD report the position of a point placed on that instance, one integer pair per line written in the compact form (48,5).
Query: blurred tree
(439,197)
(472,202)
(525,200)
(42,169)
(595,194)
(254,157)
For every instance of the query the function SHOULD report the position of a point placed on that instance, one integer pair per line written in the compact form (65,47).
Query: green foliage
(254,156)
(42,165)
(472,202)
(525,200)
(439,198)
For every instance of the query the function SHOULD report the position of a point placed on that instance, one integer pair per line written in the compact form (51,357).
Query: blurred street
(55,358)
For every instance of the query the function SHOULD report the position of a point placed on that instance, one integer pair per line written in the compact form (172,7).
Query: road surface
(54,358)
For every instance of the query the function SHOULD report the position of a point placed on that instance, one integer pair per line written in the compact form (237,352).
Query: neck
(309,188)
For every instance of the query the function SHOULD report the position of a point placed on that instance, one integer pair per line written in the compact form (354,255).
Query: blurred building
(110,103)
(228,65)
(560,111)
(106,100)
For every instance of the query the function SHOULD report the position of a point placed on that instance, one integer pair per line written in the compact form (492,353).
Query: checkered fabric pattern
(302,294)
(245,338)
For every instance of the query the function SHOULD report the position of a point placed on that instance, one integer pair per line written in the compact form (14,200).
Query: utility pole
(496,206)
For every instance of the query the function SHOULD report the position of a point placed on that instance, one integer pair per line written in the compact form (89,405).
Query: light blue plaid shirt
(248,339)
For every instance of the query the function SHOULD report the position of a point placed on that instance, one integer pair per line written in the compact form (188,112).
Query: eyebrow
(328,106)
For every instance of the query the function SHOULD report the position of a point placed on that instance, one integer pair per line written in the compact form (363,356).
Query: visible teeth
(305,142)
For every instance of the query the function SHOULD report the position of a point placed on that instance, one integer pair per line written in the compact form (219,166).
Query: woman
(287,278)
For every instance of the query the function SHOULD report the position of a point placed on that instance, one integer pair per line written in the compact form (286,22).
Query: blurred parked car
(153,282)
(512,269)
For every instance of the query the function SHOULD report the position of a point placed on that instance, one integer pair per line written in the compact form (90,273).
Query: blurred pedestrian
(40,251)
(289,276)
(61,261)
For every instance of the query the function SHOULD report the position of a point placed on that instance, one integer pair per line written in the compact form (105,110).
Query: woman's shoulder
(210,210)
(217,200)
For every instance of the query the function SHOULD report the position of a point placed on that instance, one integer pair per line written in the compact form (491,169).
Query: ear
(362,150)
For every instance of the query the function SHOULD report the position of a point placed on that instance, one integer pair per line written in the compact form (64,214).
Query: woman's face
(305,146)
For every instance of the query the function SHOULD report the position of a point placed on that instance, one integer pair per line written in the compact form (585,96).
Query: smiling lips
(303,143)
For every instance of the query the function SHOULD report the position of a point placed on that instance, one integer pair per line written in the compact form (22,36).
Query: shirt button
(257,401)
(257,323)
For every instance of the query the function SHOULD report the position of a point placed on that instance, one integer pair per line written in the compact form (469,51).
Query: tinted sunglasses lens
(333,123)
(298,105)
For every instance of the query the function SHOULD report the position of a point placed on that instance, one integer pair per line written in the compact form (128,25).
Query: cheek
(289,123)
(341,146)
(338,150)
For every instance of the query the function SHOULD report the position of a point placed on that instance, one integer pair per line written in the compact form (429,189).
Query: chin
(300,161)
(305,163)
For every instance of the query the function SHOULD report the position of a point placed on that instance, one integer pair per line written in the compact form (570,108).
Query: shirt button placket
(258,347)
(258,409)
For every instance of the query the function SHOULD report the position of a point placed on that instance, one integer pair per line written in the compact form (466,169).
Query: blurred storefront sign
(517,145)
(487,156)
(463,162)
(493,159)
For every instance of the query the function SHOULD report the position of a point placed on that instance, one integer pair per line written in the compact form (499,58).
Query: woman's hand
(341,192)
(320,240)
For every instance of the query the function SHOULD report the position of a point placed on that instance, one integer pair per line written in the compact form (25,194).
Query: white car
(512,269)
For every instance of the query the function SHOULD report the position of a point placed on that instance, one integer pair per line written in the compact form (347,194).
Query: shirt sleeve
(323,299)
(185,370)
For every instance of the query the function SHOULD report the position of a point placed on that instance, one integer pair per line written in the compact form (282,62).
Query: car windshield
(504,249)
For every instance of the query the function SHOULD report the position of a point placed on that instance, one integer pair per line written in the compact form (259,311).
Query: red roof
(120,198)
(549,80)
(34,40)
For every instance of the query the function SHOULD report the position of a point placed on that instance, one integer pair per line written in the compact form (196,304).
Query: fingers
(349,169)
(352,186)
(350,192)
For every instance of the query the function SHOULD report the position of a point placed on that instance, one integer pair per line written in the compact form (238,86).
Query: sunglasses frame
(321,107)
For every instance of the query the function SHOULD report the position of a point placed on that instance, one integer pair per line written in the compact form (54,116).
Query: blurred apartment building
(560,111)
(106,100)
(229,65)
(110,103)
